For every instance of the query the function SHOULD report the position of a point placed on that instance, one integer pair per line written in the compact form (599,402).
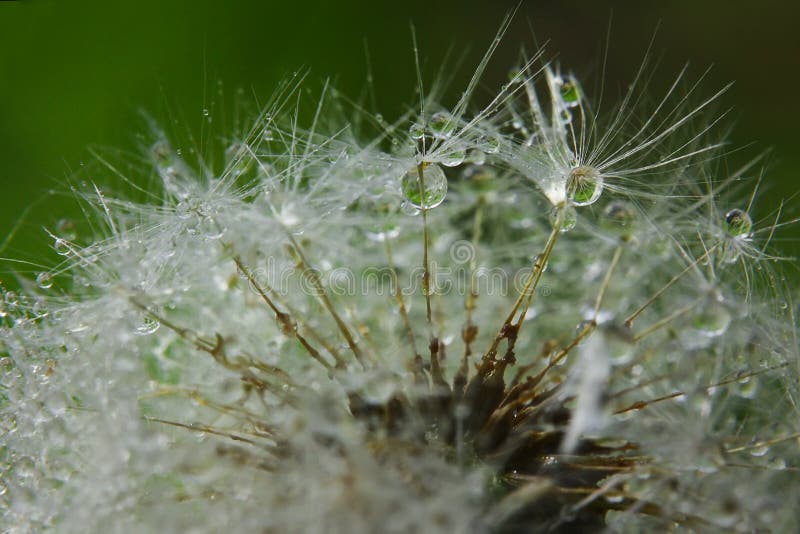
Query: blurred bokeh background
(77,74)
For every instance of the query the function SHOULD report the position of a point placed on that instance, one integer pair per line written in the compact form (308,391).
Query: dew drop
(442,125)
(62,247)
(568,91)
(563,218)
(408,208)
(383,213)
(268,135)
(618,216)
(476,156)
(738,224)
(747,387)
(161,153)
(584,185)
(777,464)
(455,157)
(44,280)
(65,229)
(148,325)
(211,229)
(759,451)
(205,112)
(488,143)
(416,131)
(435,186)
(712,321)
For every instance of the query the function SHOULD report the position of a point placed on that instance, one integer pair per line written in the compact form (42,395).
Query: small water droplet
(618,216)
(408,208)
(416,131)
(488,143)
(44,280)
(712,320)
(442,125)
(747,387)
(205,112)
(65,229)
(564,218)
(738,224)
(568,92)
(147,325)
(584,185)
(455,157)
(759,451)
(62,247)
(435,186)
(211,229)
(476,156)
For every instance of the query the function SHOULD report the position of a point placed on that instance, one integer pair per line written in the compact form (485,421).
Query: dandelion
(472,321)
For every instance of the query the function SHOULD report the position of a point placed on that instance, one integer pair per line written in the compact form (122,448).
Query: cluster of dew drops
(584,186)
(583,183)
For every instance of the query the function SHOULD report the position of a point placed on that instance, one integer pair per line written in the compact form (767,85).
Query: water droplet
(747,387)
(712,320)
(62,247)
(584,185)
(379,118)
(435,186)
(238,159)
(563,218)
(442,125)
(383,213)
(777,464)
(268,135)
(488,143)
(66,229)
(760,450)
(408,208)
(205,112)
(568,92)
(455,157)
(211,229)
(416,131)
(44,280)
(481,180)
(476,156)
(618,216)
(161,153)
(147,325)
(738,224)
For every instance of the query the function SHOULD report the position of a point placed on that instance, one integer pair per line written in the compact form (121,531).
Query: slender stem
(666,320)
(426,274)
(528,289)
(606,280)
(433,343)
(470,330)
(398,295)
(322,295)
(629,320)
(287,324)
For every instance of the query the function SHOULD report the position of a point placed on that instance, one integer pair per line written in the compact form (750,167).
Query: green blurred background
(76,74)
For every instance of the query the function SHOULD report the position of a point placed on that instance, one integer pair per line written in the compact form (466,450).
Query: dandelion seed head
(272,343)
